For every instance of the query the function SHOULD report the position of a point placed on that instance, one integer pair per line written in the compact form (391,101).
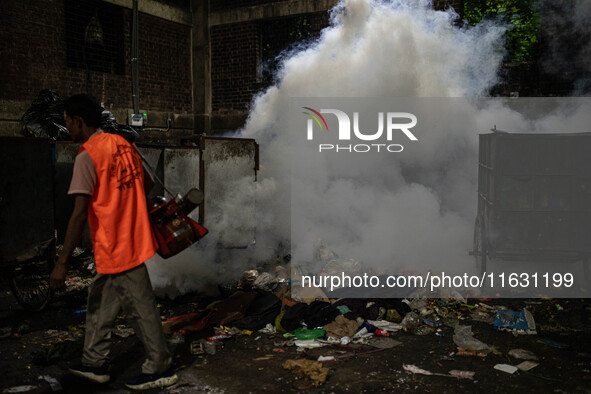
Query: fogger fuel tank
(173,229)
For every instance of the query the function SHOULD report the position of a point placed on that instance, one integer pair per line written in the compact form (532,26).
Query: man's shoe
(147,381)
(94,374)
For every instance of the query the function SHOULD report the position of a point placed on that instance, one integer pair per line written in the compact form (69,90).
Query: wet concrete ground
(253,364)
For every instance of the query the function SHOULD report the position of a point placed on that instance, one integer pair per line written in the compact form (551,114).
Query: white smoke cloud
(375,49)
(415,212)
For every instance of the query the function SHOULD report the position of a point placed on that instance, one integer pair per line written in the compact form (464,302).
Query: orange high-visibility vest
(117,215)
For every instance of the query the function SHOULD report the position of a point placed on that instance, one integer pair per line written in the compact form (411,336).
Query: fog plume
(409,212)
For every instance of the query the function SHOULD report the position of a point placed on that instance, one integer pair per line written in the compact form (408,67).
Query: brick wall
(239,51)
(222,5)
(242,53)
(34,57)
(165,65)
(33,49)
(235,54)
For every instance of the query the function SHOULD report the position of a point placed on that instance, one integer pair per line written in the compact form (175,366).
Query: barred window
(95,36)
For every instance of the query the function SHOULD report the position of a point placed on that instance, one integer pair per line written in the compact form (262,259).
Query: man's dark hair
(86,107)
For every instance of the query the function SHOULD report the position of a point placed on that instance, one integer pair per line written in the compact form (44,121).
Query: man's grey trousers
(132,292)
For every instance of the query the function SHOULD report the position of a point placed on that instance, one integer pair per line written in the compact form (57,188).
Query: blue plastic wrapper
(521,322)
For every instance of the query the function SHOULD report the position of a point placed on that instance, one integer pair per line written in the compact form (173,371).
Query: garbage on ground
(421,305)
(190,322)
(59,351)
(516,322)
(341,327)
(19,389)
(495,351)
(482,316)
(202,346)
(510,369)
(332,340)
(261,311)
(462,374)
(196,348)
(270,282)
(77,283)
(452,374)
(527,365)
(522,354)
(123,331)
(268,329)
(392,315)
(219,337)
(465,352)
(326,358)
(209,347)
(287,343)
(344,309)
(464,339)
(411,322)
(365,330)
(176,339)
(308,344)
(552,343)
(5,332)
(304,334)
(383,342)
(308,368)
(386,325)
(451,294)
(248,279)
(232,308)
(53,382)
(54,336)
(262,358)
(431,323)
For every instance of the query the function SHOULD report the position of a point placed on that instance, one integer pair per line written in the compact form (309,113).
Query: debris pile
(261,304)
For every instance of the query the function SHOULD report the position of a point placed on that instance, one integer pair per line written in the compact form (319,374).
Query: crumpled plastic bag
(464,339)
(110,125)
(45,117)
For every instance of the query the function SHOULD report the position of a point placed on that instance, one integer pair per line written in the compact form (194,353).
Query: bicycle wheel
(29,282)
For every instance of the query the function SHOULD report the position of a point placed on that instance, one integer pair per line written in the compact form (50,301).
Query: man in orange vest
(109,186)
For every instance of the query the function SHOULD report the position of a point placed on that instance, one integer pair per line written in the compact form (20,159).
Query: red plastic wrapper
(382,333)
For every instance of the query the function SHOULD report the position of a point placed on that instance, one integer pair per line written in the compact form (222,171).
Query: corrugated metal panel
(155,158)
(534,191)
(181,169)
(229,170)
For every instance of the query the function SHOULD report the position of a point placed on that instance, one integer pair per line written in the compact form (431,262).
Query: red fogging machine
(173,228)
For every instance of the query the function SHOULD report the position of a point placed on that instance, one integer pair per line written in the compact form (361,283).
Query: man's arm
(74,233)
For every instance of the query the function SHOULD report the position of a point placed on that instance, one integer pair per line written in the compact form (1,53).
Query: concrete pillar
(201,65)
